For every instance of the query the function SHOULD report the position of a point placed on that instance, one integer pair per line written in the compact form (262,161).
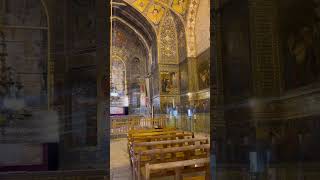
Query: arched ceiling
(125,14)
(194,15)
(154,10)
(135,20)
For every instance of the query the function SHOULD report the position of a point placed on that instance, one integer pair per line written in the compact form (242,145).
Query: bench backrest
(141,146)
(149,130)
(172,154)
(161,137)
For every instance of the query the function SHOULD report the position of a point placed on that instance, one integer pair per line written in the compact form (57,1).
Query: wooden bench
(156,156)
(149,130)
(177,166)
(140,146)
(172,136)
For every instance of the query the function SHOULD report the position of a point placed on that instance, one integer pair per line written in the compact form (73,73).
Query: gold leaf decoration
(168,41)
(141,4)
(155,13)
(180,6)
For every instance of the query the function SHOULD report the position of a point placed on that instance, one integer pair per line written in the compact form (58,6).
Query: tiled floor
(119,160)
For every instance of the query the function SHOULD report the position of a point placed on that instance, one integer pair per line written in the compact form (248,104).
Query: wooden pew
(177,165)
(133,131)
(156,156)
(168,136)
(157,136)
(153,133)
(140,146)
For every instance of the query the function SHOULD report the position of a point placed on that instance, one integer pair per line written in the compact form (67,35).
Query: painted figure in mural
(173,80)
(304,52)
(155,13)
(165,85)
(204,78)
(141,4)
(179,6)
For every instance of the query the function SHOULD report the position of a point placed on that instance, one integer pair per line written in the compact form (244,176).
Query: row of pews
(168,152)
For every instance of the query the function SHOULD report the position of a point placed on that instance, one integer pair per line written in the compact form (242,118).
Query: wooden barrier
(122,125)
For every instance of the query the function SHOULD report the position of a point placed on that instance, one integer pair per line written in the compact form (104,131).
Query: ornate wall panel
(130,47)
(180,6)
(181,37)
(168,45)
(141,5)
(190,28)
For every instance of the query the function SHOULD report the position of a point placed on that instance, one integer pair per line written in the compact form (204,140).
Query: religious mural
(169,82)
(155,13)
(141,4)
(180,6)
(204,71)
(300,42)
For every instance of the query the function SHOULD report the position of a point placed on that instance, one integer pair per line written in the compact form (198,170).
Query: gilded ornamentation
(190,28)
(119,52)
(168,41)
(180,6)
(162,1)
(155,13)
(141,4)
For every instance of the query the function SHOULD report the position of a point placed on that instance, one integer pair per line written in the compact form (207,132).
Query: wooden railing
(122,124)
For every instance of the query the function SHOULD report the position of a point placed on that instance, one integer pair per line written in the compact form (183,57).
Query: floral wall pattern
(168,53)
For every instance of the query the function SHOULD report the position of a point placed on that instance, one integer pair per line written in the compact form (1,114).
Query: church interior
(159,89)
